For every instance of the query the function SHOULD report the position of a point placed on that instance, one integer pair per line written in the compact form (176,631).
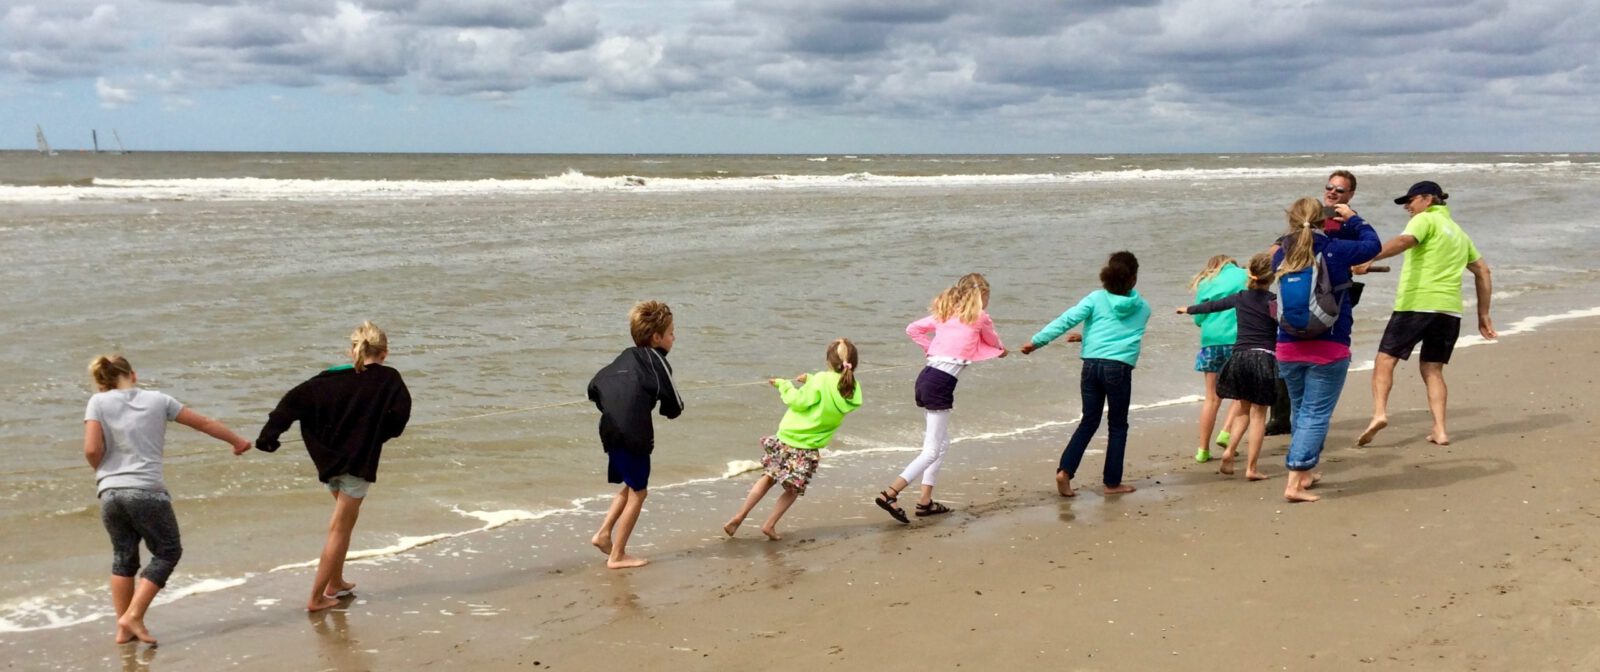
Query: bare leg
(131,620)
(121,597)
(1295,489)
(630,515)
(1234,438)
(1382,383)
(786,500)
(757,491)
(1438,395)
(345,511)
(1258,433)
(337,584)
(1208,412)
(602,538)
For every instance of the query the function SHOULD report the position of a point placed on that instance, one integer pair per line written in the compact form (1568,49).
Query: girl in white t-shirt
(124,437)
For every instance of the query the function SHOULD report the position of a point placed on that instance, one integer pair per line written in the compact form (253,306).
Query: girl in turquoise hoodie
(791,456)
(1221,277)
(1114,320)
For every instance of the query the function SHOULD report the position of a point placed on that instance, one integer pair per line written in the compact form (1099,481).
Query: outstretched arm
(1481,282)
(216,430)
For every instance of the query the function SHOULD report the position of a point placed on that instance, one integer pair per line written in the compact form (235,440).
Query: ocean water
(504,283)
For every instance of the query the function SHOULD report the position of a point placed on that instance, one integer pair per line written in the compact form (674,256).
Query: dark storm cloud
(1171,64)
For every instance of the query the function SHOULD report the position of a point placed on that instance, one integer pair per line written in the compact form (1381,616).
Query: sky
(804,76)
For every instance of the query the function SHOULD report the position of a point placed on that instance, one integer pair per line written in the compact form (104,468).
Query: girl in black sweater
(346,413)
(1251,373)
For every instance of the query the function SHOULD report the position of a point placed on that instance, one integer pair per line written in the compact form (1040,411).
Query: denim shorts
(1212,357)
(354,487)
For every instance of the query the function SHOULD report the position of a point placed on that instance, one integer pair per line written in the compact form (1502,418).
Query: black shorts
(632,469)
(1437,332)
(936,390)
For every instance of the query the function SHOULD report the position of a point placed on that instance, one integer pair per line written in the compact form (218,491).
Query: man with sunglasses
(1427,303)
(1339,189)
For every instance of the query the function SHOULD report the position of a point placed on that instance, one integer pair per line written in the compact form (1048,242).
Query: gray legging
(131,514)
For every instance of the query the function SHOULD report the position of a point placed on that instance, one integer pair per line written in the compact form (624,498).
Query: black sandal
(886,502)
(932,509)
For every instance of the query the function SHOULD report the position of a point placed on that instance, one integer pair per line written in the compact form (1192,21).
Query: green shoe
(1202,455)
(1222,439)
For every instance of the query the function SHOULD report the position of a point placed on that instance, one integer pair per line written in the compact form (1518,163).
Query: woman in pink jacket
(956,334)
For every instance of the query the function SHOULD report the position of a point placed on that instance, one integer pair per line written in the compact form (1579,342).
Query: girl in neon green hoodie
(791,456)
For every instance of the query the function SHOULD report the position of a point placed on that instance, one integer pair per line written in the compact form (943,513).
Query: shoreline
(1179,575)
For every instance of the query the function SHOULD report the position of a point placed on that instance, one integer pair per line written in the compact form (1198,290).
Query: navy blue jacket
(625,391)
(1357,244)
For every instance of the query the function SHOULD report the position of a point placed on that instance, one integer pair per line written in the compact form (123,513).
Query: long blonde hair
(843,358)
(1300,252)
(108,370)
(367,341)
(1213,267)
(964,300)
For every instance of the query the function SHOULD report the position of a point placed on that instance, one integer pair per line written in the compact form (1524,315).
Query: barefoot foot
(322,603)
(1119,489)
(1376,426)
(604,543)
(1299,496)
(135,630)
(1309,479)
(772,533)
(338,589)
(123,635)
(1253,475)
(626,562)
(1439,439)
(1227,465)
(1064,485)
(730,528)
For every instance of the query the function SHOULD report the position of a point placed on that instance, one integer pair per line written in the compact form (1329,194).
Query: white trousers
(935,442)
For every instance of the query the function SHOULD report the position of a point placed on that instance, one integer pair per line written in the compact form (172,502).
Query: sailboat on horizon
(44,145)
(94,135)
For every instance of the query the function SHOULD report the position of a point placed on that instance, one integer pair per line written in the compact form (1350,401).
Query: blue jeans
(1103,380)
(1313,392)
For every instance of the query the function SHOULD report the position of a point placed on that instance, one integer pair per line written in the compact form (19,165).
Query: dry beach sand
(1476,556)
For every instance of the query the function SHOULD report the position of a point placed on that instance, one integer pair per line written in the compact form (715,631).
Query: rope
(464,418)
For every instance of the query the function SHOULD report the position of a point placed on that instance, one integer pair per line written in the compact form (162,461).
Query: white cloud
(112,97)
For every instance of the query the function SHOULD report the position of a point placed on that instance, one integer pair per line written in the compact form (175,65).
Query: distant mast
(120,148)
(44,145)
(95,136)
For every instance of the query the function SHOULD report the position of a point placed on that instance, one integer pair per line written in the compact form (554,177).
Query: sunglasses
(1336,190)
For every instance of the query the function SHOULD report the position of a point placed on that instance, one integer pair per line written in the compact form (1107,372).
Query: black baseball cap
(1423,187)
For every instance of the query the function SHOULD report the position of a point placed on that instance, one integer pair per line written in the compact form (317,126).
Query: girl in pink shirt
(956,334)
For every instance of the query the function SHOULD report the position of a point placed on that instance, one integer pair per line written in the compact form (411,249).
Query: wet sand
(1478,555)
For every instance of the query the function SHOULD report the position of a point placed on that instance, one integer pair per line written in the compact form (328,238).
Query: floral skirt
(791,467)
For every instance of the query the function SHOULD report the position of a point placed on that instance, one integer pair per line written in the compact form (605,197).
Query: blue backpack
(1310,301)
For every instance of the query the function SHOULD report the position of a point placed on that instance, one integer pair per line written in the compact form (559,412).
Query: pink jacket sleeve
(921,332)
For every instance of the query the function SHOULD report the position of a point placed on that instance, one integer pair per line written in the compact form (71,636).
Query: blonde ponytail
(367,341)
(109,370)
(843,358)
(1301,251)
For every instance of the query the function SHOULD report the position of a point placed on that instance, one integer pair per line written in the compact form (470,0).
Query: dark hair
(1346,175)
(1121,273)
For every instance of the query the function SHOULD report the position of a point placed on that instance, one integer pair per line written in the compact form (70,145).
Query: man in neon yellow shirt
(1427,303)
